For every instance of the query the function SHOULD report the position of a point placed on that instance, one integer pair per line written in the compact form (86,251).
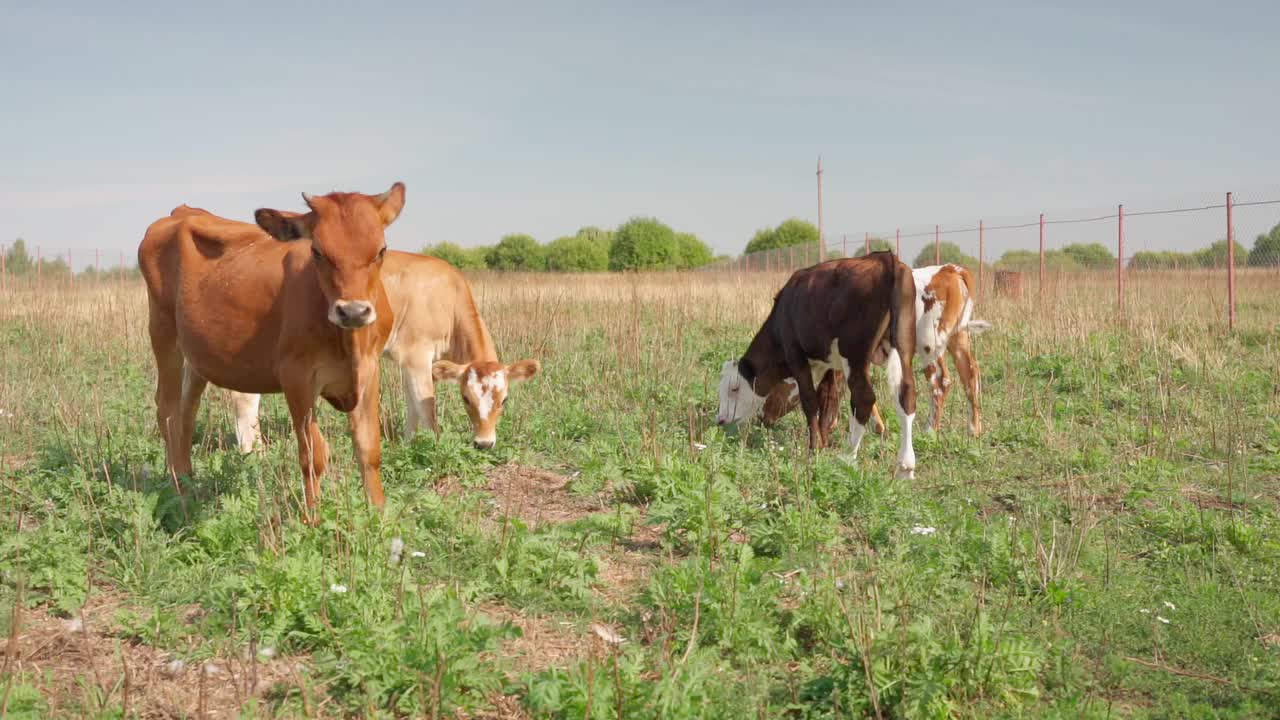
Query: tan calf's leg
(967,366)
(313,451)
(420,399)
(365,435)
(248,431)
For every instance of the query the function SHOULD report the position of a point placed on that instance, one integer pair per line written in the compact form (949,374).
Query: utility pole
(822,244)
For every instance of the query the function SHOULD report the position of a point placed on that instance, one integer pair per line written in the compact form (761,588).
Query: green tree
(516,252)
(950,252)
(1029,261)
(604,238)
(457,256)
(792,231)
(877,244)
(577,253)
(17,261)
(692,251)
(1093,256)
(643,244)
(1266,249)
(1215,255)
(1164,260)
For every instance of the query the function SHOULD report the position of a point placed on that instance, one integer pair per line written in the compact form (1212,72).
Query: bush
(517,252)
(457,256)
(643,244)
(1093,256)
(1167,260)
(792,231)
(1029,261)
(1215,256)
(577,253)
(950,252)
(692,251)
(877,244)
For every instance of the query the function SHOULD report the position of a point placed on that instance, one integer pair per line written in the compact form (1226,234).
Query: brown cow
(305,316)
(438,335)
(944,320)
(837,314)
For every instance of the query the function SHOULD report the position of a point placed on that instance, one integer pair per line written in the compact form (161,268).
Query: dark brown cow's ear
(283,226)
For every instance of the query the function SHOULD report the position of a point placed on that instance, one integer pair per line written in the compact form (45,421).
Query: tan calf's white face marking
(484,388)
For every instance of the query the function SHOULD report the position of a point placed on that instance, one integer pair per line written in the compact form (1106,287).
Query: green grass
(1109,548)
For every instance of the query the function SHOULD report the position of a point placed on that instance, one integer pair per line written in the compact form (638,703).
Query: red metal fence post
(844,245)
(1042,257)
(1120,259)
(1231,266)
(982,255)
(866,240)
(897,242)
(937,245)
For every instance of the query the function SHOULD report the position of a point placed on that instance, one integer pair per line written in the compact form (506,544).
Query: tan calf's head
(347,245)
(484,391)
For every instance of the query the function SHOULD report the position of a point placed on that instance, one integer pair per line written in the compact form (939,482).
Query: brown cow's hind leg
(169,363)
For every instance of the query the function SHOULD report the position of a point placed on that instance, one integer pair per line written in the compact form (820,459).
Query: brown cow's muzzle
(352,314)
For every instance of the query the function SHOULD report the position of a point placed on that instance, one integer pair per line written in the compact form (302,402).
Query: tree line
(641,243)
(1078,256)
(19,263)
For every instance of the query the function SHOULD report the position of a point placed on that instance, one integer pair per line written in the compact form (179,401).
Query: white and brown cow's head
(485,385)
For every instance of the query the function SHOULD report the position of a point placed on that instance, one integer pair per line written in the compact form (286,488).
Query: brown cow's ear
(283,226)
(390,203)
(445,370)
(523,370)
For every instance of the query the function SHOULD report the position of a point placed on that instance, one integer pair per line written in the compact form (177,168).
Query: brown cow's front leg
(808,400)
(862,400)
(365,435)
(313,451)
(829,402)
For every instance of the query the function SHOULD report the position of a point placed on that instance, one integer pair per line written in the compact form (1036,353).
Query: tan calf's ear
(446,370)
(523,370)
(390,203)
(284,226)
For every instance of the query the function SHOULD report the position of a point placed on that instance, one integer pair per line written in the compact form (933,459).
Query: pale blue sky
(504,117)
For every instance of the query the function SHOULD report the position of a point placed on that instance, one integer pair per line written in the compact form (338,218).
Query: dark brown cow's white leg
(862,401)
(903,387)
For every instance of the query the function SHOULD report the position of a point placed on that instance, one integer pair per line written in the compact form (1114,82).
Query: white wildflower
(397,550)
(699,446)
(417,554)
(764,506)
(336,588)
(1145,611)
(267,652)
(1163,619)
(921,530)
(1170,605)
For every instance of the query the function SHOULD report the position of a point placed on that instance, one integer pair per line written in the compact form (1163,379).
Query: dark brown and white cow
(944,318)
(834,315)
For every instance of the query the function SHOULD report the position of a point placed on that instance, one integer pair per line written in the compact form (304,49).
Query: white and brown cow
(438,335)
(944,319)
(834,315)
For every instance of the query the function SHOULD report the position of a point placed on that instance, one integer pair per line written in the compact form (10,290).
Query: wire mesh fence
(1203,249)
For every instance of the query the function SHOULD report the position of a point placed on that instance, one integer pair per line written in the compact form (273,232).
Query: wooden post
(822,244)
(982,255)
(1231,266)
(1120,259)
(866,240)
(937,245)
(844,245)
(897,242)
(1042,257)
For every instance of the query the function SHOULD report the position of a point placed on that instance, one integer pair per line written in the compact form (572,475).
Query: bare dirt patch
(81,666)
(538,497)
(1207,499)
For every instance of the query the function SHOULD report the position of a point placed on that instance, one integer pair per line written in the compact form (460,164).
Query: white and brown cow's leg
(939,386)
(902,385)
(967,367)
(248,429)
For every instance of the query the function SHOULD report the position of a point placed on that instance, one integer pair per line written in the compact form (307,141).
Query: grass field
(1109,548)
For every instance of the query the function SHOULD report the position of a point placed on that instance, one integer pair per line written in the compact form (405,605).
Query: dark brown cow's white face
(738,400)
(484,387)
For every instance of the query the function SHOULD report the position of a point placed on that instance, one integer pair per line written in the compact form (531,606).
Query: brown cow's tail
(902,328)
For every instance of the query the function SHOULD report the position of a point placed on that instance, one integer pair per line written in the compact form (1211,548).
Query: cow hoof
(905,473)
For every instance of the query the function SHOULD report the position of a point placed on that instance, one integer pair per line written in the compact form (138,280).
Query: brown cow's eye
(382,252)
(316,254)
